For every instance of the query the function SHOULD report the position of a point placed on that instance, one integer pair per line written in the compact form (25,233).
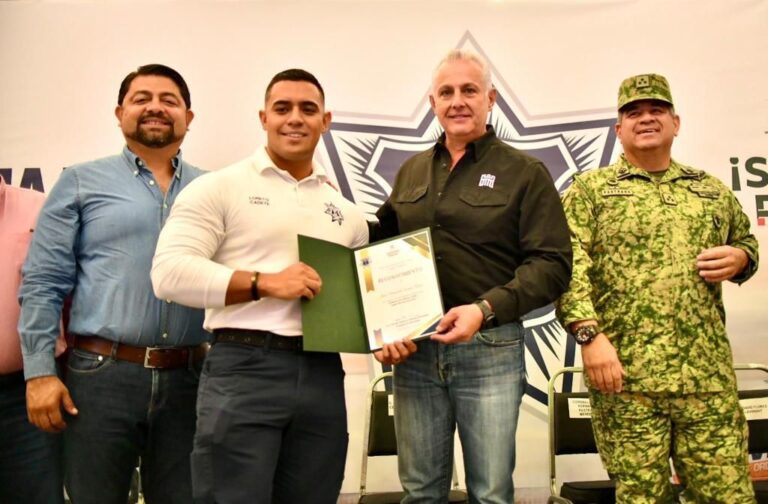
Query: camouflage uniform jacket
(635,243)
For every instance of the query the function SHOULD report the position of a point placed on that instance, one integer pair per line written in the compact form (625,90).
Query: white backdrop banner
(556,64)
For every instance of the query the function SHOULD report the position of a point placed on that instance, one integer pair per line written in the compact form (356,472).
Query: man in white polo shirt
(271,418)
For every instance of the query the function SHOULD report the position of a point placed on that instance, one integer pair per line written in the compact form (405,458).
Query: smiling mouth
(154,122)
(294,135)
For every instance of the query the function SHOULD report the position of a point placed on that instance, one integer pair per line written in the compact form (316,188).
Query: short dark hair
(296,75)
(155,69)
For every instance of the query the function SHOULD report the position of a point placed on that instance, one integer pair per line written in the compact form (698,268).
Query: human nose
(154,105)
(457,100)
(295,116)
(646,116)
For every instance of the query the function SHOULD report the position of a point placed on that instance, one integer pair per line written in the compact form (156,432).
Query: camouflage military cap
(644,87)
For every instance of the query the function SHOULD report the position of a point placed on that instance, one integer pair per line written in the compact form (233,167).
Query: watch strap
(489,316)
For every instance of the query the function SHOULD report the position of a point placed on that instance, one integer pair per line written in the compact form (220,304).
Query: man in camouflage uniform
(652,241)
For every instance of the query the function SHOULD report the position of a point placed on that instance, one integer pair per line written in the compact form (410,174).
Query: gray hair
(465,55)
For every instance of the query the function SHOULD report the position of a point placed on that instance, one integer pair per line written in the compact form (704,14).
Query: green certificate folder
(390,285)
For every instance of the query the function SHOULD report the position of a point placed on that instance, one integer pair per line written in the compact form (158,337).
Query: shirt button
(168,301)
(438,226)
(136,172)
(439,194)
(165,205)
(151,182)
(165,335)
(439,257)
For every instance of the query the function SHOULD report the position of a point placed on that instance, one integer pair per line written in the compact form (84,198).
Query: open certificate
(394,294)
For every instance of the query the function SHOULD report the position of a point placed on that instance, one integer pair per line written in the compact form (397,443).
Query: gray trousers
(271,427)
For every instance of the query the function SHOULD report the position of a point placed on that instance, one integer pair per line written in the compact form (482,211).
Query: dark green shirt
(498,228)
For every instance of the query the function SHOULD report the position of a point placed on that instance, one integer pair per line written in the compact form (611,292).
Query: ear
(432,102)
(263,119)
(326,121)
(119,113)
(190,116)
(676,121)
(491,98)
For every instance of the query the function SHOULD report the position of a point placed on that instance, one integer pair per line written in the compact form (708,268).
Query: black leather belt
(10,379)
(257,338)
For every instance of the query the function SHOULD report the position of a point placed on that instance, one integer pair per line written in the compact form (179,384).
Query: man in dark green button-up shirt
(502,249)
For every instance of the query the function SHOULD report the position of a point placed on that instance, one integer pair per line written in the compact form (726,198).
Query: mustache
(154,115)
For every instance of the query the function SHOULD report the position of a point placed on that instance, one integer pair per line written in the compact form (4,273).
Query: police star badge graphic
(334,212)
(365,153)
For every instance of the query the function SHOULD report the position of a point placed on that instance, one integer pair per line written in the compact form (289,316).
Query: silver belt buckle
(147,353)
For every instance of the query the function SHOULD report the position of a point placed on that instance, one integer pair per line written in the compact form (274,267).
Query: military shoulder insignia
(692,172)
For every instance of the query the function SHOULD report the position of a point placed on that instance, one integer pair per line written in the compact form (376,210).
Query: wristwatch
(585,334)
(489,316)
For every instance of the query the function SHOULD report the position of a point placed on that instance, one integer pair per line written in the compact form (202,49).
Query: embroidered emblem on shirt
(704,191)
(258,200)
(487,180)
(334,212)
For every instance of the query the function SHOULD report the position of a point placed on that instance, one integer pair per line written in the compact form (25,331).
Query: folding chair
(570,435)
(379,440)
(758,427)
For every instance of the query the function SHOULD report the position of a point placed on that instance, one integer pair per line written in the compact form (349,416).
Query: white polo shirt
(247,217)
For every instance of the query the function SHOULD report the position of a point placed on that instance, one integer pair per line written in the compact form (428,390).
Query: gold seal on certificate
(372,295)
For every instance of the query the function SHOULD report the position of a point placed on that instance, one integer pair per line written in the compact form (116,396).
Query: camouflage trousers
(704,433)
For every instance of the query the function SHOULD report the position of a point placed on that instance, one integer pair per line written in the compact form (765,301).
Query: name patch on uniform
(258,200)
(617,191)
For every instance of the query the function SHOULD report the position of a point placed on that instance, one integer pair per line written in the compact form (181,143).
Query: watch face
(585,334)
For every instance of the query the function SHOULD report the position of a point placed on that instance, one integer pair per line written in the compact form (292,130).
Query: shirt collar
(261,161)
(475,148)
(136,163)
(675,171)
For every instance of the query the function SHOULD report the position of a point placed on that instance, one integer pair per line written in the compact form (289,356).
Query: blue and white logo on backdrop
(365,151)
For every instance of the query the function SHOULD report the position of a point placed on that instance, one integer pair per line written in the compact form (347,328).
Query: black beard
(155,140)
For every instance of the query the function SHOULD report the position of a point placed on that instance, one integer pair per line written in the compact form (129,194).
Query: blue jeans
(272,427)
(477,386)
(30,459)
(127,412)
